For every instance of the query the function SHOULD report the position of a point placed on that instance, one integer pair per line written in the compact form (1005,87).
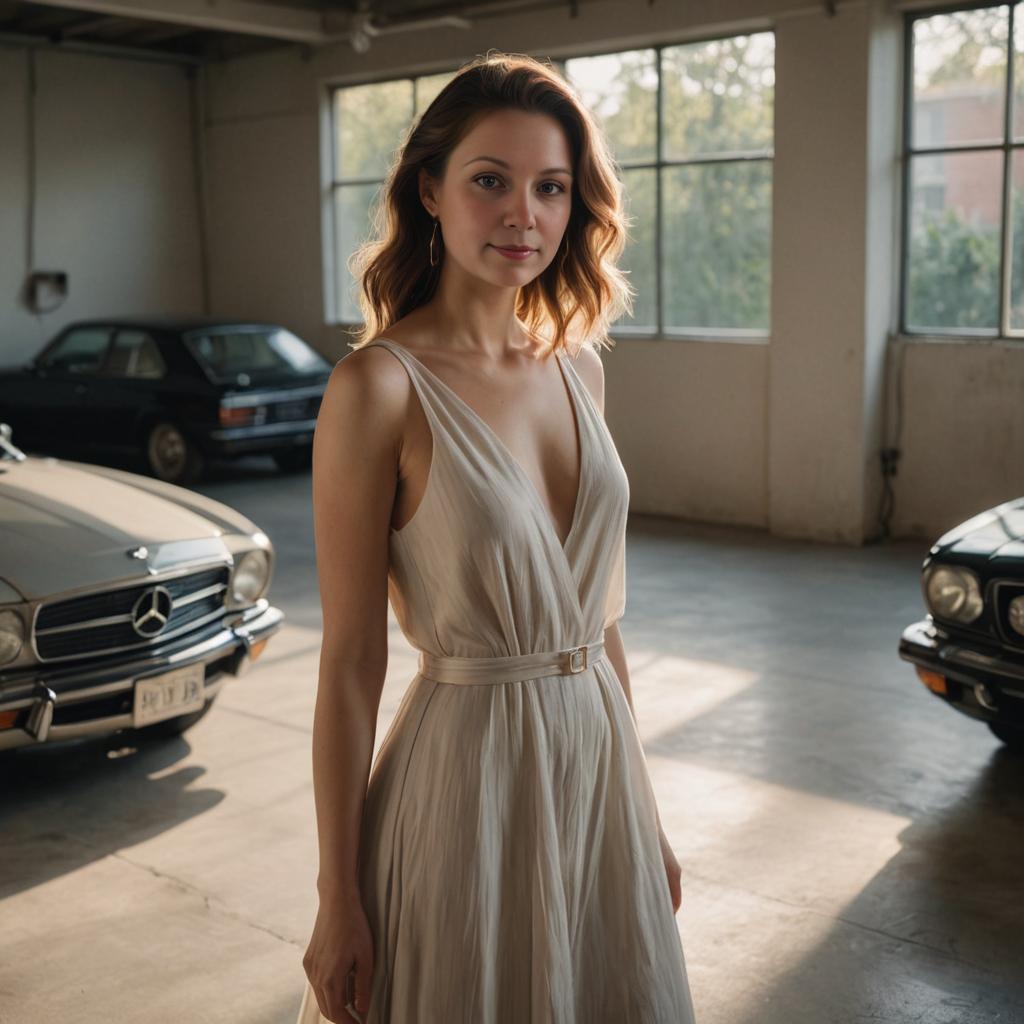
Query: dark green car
(169,392)
(969,649)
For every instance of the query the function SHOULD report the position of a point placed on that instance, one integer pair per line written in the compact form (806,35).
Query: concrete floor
(851,848)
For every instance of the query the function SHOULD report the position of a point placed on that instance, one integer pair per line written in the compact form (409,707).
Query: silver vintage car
(125,602)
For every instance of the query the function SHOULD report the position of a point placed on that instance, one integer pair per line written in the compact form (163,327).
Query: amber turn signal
(7,719)
(236,416)
(935,682)
(257,648)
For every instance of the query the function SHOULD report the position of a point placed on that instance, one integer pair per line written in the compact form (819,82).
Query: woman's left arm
(591,369)
(616,654)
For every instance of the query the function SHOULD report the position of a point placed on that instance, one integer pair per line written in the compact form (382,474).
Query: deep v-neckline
(506,452)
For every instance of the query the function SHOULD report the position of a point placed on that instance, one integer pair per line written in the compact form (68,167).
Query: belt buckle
(578,658)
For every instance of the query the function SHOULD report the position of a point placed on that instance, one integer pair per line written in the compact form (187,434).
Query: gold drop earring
(433,258)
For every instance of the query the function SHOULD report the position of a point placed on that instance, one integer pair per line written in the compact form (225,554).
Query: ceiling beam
(239,16)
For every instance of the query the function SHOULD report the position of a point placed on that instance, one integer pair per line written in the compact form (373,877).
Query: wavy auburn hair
(582,290)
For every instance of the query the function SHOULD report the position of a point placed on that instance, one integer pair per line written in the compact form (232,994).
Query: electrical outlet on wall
(46,290)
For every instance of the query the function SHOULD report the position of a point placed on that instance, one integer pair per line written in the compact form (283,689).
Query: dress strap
(433,404)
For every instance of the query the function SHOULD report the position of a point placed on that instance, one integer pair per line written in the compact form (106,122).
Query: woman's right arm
(355,471)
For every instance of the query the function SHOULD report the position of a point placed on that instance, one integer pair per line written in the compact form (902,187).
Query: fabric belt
(510,669)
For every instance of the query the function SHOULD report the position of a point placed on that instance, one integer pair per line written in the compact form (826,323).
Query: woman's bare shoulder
(409,331)
(368,390)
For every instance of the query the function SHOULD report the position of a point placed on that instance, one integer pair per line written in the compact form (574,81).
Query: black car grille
(1005,591)
(101,622)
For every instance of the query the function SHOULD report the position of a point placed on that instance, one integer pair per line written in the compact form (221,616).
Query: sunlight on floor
(668,691)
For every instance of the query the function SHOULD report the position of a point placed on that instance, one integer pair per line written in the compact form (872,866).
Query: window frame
(1002,331)
(105,371)
(43,359)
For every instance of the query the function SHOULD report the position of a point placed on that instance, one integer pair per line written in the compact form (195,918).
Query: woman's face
(508,183)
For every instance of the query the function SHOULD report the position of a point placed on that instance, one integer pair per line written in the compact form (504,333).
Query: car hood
(65,525)
(995,533)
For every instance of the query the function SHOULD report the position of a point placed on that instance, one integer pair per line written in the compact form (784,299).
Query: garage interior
(850,847)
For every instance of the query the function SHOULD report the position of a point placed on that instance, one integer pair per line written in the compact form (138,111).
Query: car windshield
(250,355)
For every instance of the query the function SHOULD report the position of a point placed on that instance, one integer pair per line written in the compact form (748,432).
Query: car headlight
(250,577)
(12,635)
(953,592)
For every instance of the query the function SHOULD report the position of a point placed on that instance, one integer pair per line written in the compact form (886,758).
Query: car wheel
(170,455)
(1011,735)
(176,726)
(293,460)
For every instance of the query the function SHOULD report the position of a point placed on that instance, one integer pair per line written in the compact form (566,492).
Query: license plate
(291,410)
(170,694)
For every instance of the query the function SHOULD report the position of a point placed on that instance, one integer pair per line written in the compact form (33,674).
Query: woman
(507,862)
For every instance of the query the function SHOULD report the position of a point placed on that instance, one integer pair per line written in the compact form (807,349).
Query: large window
(369,123)
(963,257)
(691,127)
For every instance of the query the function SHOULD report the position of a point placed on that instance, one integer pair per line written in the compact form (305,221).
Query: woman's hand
(342,945)
(672,870)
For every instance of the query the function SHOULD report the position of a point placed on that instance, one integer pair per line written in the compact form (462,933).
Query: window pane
(351,228)
(1018,74)
(134,354)
(370,122)
(257,353)
(639,259)
(960,77)
(716,240)
(621,90)
(953,268)
(719,96)
(1017,237)
(427,89)
(80,351)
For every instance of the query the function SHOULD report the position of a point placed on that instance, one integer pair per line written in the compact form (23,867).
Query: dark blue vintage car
(969,649)
(173,391)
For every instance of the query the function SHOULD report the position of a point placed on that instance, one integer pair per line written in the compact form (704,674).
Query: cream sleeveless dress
(510,866)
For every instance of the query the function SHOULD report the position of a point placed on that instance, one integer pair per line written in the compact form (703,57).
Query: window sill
(972,340)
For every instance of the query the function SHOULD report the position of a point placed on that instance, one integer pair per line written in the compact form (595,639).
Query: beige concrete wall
(962,431)
(115,194)
(815,369)
(690,420)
